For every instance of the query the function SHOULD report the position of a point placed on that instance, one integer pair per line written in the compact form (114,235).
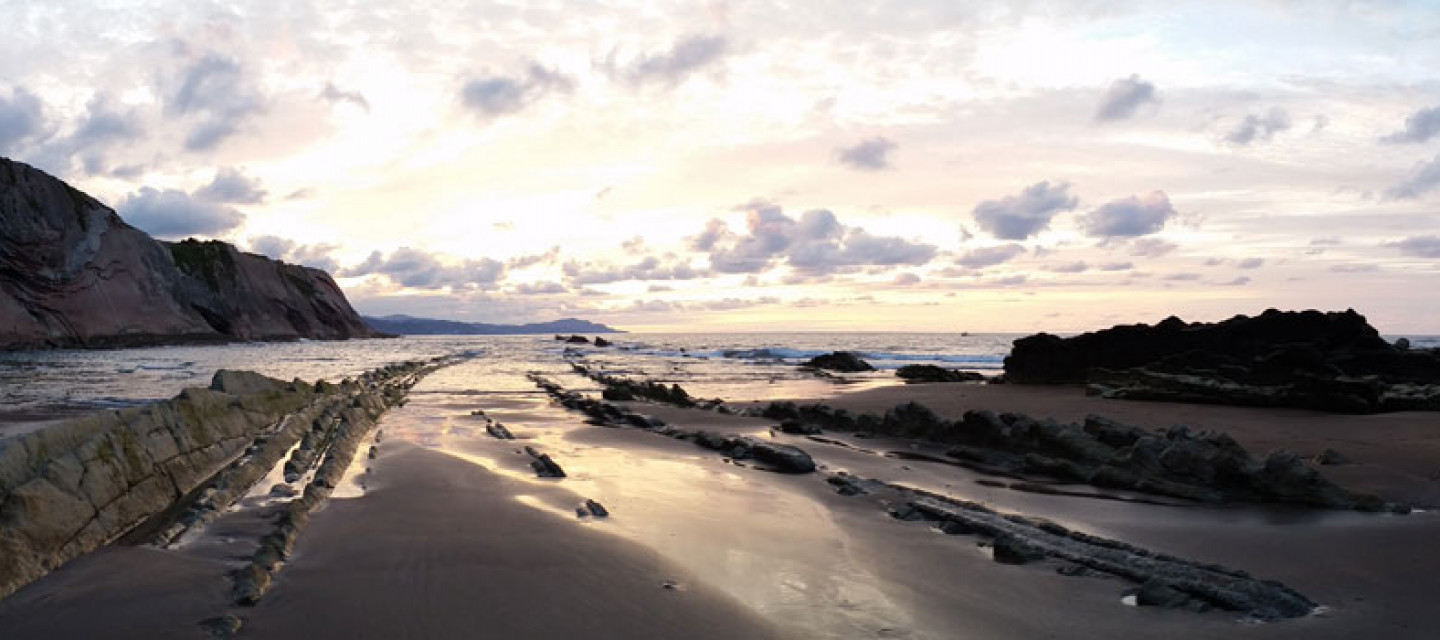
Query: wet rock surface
(1015,539)
(1331,362)
(918,373)
(841,361)
(157,471)
(1204,467)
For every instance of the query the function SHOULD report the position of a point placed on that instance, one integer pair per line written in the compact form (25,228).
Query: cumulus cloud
(526,261)
(1020,216)
(1418,246)
(232,186)
(673,66)
(1151,247)
(214,90)
(492,96)
(310,255)
(540,288)
(816,244)
(989,256)
(1129,217)
(1259,128)
(1124,97)
(1078,266)
(1419,127)
(1424,177)
(334,95)
(705,240)
(418,269)
(22,117)
(649,268)
(175,214)
(868,155)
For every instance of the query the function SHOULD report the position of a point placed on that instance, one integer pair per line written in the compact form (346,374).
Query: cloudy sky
(765,165)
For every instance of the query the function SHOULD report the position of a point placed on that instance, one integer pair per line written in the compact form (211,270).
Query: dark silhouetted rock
(601,342)
(915,373)
(842,361)
(1325,361)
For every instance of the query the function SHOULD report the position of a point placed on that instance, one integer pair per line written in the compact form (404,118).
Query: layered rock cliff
(73,274)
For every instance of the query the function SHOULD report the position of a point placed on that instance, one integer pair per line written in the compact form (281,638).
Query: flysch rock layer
(73,487)
(73,274)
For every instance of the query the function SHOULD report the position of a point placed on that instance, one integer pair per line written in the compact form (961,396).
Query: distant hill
(412,326)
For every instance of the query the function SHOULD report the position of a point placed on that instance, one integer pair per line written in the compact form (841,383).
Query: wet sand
(454,536)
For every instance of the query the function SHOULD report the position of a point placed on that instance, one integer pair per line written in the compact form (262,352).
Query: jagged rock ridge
(73,274)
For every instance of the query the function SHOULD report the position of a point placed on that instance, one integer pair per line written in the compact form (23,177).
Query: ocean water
(41,385)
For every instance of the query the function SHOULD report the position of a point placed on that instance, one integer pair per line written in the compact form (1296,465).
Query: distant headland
(412,326)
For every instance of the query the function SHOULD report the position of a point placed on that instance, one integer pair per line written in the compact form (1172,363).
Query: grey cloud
(310,255)
(22,116)
(1240,281)
(1151,247)
(1419,127)
(1182,277)
(232,186)
(334,94)
(1250,263)
(1078,266)
(493,96)
(215,90)
(714,231)
(1325,241)
(1116,266)
(1422,179)
(1354,268)
(174,214)
(868,155)
(650,268)
(526,261)
(634,245)
(1129,217)
(905,279)
(989,256)
(1124,97)
(1418,246)
(1259,127)
(100,129)
(410,267)
(540,288)
(1020,216)
(815,245)
(673,67)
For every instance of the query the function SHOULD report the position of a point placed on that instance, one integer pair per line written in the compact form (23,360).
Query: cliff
(73,274)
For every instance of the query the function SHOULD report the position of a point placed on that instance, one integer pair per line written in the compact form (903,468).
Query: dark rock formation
(543,465)
(1324,361)
(842,361)
(1205,467)
(601,342)
(73,274)
(1164,580)
(913,373)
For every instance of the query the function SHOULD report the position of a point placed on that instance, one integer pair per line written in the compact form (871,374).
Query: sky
(766,165)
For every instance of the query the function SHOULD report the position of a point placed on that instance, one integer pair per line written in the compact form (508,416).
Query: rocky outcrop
(1204,467)
(1163,580)
(842,361)
(68,489)
(73,274)
(919,373)
(1324,361)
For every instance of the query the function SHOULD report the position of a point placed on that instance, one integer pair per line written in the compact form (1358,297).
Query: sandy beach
(449,533)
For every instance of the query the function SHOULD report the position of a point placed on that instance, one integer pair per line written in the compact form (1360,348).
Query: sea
(37,387)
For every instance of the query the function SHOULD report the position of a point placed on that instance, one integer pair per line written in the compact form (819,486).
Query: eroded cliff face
(73,274)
